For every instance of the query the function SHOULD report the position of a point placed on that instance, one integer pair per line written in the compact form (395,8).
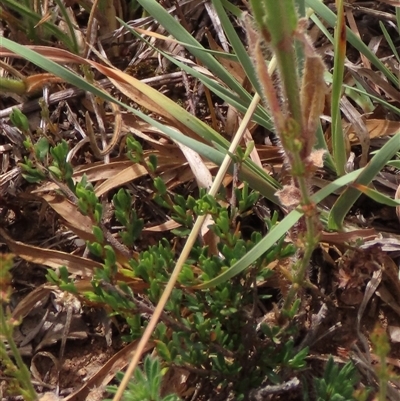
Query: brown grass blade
(48,257)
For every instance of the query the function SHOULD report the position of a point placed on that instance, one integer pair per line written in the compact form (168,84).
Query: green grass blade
(322,28)
(389,40)
(398,18)
(376,196)
(263,246)
(54,68)
(236,11)
(383,102)
(350,195)
(254,174)
(301,10)
(394,163)
(181,34)
(74,41)
(281,31)
(237,46)
(338,141)
(321,144)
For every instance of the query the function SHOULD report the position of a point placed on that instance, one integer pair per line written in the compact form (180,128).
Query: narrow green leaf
(394,163)
(237,45)
(236,11)
(35,18)
(64,12)
(180,33)
(389,40)
(258,7)
(338,141)
(321,144)
(281,22)
(376,196)
(398,18)
(350,195)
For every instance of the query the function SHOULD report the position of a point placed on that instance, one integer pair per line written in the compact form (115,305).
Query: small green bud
(160,186)
(20,120)
(98,234)
(42,148)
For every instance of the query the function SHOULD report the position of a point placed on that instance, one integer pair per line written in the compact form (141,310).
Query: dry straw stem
(185,252)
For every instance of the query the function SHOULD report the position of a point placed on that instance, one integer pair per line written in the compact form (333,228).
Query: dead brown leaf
(35,83)
(341,238)
(68,211)
(233,67)
(376,129)
(359,126)
(377,80)
(49,257)
(131,87)
(167,226)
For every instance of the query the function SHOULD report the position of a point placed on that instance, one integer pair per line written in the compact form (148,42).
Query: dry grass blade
(339,238)
(48,257)
(167,226)
(359,127)
(26,304)
(71,214)
(376,79)
(200,171)
(137,91)
(376,129)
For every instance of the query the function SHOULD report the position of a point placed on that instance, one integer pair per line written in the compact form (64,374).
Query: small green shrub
(213,328)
